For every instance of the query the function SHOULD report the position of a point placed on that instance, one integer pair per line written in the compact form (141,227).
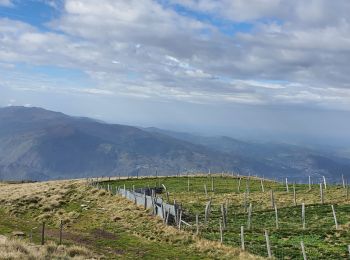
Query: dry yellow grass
(18,249)
(48,201)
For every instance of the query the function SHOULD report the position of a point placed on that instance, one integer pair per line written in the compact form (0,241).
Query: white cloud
(298,54)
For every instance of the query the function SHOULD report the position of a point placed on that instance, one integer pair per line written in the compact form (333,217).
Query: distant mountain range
(38,144)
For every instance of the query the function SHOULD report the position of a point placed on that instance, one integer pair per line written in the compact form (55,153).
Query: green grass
(321,239)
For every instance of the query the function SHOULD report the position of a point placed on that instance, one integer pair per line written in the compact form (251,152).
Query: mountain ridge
(40,144)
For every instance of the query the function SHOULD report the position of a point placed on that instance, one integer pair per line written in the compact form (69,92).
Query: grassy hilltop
(96,226)
(321,238)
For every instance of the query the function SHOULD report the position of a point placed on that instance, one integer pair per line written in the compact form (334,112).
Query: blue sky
(267,69)
(36,12)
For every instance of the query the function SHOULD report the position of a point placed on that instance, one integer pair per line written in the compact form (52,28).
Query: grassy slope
(321,239)
(108,226)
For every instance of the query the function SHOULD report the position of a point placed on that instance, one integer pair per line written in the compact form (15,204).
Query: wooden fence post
(249,216)
(43,234)
(176,216)
(268,244)
(180,219)
(221,235)
(343,180)
(205,190)
(303,215)
(207,209)
(309,182)
(167,218)
(294,195)
(335,217)
(324,182)
(262,185)
(188,184)
(247,184)
(272,199)
(287,187)
(242,238)
(349,250)
(303,250)
(321,193)
(167,196)
(276,216)
(223,211)
(197,224)
(239,184)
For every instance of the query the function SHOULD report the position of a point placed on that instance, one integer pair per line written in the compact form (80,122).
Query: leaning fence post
(262,185)
(276,216)
(180,219)
(43,234)
(303,214)
(335,217)
(167,218)
(268,244)
(321,193)
(206,212)
(303,250)
(242,238)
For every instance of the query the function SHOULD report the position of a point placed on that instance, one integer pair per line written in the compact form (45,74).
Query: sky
(273,70)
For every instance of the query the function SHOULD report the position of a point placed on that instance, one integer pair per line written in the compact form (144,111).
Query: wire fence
(285,242)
